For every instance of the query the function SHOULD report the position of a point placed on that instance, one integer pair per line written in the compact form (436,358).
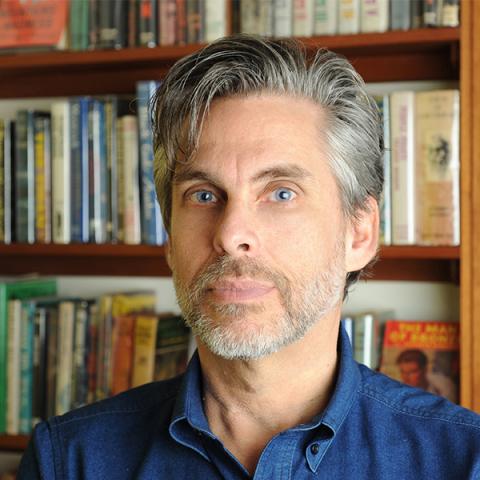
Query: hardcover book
(423,355)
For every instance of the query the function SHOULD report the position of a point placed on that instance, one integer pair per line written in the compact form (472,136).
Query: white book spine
(132,188)
(13,367)
(215,19)
(326,17)
(265,18)
(374,16)
(349,16)
(249,14)
(61,172)
(402,108)
(283,18)
(303,13)
(63,398)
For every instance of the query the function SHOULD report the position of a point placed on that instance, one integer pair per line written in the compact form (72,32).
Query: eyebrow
(287,170)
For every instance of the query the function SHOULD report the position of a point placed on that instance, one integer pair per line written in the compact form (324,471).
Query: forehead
(256,132)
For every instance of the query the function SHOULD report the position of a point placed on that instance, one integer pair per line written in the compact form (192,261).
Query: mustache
(227,266)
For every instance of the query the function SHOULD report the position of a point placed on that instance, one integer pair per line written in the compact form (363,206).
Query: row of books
(421,200)
(93,24)
(81,172)
(422,354)
(63,353)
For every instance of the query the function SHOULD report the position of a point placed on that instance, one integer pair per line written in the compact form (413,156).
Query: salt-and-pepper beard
(305,301)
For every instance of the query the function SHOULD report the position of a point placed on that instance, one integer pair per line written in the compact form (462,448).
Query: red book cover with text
(33,23)
(424,355)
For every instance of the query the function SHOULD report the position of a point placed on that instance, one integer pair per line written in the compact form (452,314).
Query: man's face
(257,233)
(412,373)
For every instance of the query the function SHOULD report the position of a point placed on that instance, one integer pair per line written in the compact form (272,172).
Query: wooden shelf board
(13,443)
(397,263)
(396,55)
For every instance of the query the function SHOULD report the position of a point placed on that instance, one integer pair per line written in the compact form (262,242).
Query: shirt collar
(189,421)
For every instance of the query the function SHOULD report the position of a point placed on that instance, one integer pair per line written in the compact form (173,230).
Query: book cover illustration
(423,355)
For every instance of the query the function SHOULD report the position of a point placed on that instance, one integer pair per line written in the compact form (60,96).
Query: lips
(239,290)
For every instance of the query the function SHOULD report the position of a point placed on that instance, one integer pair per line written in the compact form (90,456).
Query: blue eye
(283,195)
(204,196)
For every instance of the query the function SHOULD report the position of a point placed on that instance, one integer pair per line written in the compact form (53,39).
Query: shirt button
(314,448)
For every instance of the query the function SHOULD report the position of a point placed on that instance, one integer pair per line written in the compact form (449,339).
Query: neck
(257,399)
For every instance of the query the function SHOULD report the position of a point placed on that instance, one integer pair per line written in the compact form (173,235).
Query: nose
(235,232)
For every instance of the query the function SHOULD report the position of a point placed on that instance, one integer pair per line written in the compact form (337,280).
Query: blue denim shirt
(372,428)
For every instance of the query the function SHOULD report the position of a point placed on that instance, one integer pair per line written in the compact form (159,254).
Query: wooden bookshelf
(423,54)
(396,263)
(13,443)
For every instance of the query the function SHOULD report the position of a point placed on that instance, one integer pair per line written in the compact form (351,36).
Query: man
(268,173)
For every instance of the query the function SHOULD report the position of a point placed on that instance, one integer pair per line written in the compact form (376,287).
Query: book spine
(167,21)
(249,17)
(39,366)
(325,17)
(144,349)
(61,172)
(416,18)
(432,11)
(303,18)
(21,177)
(131,178)
(80,373)
(349,16)
(450,16)
(147,17)
(438,167)
(26,367)
(122,357)
(400,15)
(266,18)
(9,181)
(13,367)
(402,107)
(215,19)
(181,22)
(2,181)
(63,400)
(374,16)
(47,156)
(52,327)
(92,351)
(151,222)
(283,18)
(93,24)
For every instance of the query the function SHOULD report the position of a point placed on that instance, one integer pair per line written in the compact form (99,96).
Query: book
(437,126)
(8,194)
(195,18)
(111,29)
(78,24)
(171,351)
(432,13)
(8,291)
(400,14)
(303,18)
(66,325)
(147,18)
(348,16)
(42,177)
(12,410)
(450,14)
(122,355)
(145,337)
(61,172)
(2,181)
(385,238)
(181,22)
(424,355)
(151,218)
(80,354)
(167,12)
(283,18)
(402,110)
(368,332)
(325,17)
(33,25)
(131,192)
(39,372)
(26,366)
(249,17)
(416,14)
(215,19)
(374,16)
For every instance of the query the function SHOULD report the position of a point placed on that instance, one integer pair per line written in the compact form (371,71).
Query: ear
(362,237)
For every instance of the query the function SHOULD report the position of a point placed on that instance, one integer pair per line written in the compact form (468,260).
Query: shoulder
(411,403)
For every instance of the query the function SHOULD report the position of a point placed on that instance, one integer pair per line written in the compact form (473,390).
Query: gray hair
(244,65)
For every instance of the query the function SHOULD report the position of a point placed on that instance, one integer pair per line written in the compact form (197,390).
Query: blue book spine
(76,172)
(26,366)
(151,219)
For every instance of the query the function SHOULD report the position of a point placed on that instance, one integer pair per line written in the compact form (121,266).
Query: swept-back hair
(243,65)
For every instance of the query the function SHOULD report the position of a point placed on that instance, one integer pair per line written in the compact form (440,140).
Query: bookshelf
(424,54)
